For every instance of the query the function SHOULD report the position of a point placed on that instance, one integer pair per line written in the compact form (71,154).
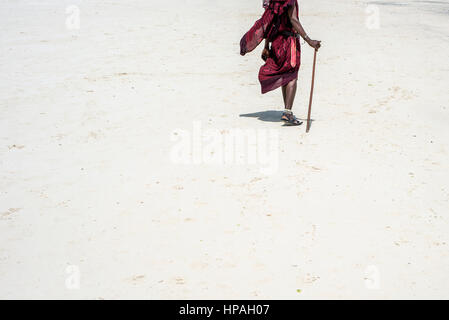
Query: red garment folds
(284,61)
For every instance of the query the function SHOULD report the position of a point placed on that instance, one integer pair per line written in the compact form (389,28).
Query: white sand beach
(101,197)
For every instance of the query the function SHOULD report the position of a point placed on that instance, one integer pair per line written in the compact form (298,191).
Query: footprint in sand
(15,146)
(9,212)
(397,93)
(135,280)
(309,278)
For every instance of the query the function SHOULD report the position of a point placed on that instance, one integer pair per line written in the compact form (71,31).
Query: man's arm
(292,13)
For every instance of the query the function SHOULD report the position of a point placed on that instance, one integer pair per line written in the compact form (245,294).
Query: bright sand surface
(95,204)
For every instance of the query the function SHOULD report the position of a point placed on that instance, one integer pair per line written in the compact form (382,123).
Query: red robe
(284,61)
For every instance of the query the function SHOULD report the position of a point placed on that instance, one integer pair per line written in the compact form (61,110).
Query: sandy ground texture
(94,202)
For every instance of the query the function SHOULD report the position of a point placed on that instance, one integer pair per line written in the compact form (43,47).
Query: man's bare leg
(289,93)
(284,95)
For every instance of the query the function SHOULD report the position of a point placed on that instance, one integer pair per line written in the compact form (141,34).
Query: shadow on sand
(270,116)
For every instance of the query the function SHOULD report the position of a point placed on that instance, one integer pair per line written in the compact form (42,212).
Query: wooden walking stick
(311,92)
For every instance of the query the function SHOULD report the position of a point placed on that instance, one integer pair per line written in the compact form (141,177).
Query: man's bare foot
(290,119)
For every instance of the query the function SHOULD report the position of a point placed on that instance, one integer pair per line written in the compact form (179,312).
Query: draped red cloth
(283,63)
